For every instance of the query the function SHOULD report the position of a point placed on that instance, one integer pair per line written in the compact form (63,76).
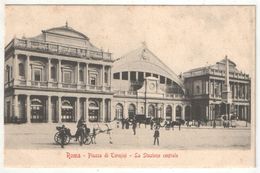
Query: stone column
(164,112)
(28,71)
(86,110)
(16,111)
(103,77)
(125,110)
(59,109)
(86,74)
(77,116)
(110,76)
(77,75)
(109,110)
(213,88)
(49,72)
(245,113)
(28,109)
(103,110)
(59,73)
(173,112)
(158,113)
(207,87)
(49,110)
(208,111)
(183,113)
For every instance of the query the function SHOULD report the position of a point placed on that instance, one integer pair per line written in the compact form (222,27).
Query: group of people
(153,126)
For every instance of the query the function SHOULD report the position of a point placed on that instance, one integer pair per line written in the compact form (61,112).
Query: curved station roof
(143,60)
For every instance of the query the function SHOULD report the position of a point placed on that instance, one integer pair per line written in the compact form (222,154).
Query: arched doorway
(119,111)
(67,111)
(37,110)
(169,113)
(131,110)
(151,111)
(178,112)
(187,113)
(93,111)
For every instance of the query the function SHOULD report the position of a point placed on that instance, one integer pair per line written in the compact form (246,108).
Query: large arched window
(119,111)
(178,112)
(151,111)
(168,112)
(131,110)
(67,111)
(21,69)
(93,111)
(37,111)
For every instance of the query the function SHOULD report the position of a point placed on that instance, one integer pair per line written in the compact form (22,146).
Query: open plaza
(41,136)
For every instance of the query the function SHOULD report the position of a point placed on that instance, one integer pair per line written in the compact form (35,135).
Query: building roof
(220,65)
(66,31)
(65,35)
(144,60)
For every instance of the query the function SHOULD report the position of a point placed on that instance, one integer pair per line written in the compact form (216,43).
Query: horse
(177,123)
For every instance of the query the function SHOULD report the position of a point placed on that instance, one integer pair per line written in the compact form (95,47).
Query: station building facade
(143,84)
(60,76)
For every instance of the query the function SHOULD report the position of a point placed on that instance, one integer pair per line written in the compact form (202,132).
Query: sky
(183,37)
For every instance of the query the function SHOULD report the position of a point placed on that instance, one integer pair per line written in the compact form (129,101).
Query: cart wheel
(57,138)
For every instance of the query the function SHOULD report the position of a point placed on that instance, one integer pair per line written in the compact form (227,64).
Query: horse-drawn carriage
(83,134)
(64,136)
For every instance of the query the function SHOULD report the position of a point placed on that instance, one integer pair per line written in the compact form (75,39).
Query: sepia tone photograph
(129,86)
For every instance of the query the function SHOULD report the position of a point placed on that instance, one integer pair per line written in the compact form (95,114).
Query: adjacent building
(214,93)
(57,76)
(60,76)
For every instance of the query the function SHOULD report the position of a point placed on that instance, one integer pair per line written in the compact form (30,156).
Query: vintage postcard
(129,86)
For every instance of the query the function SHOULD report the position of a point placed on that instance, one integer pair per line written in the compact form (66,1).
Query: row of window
(67,75)
(139,76)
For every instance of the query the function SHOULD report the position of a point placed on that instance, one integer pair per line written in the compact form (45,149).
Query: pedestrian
(94,136)
(127,123)
(151,124)
(123,123)
(62,135)
(156,135)
(214,124)
(134,127)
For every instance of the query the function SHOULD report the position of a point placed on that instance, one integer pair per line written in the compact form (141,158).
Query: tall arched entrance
(131,111)
(67,113)
(93,111)
(178,112)
(119,111)
(38,113)
(169,113)
(151,111)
